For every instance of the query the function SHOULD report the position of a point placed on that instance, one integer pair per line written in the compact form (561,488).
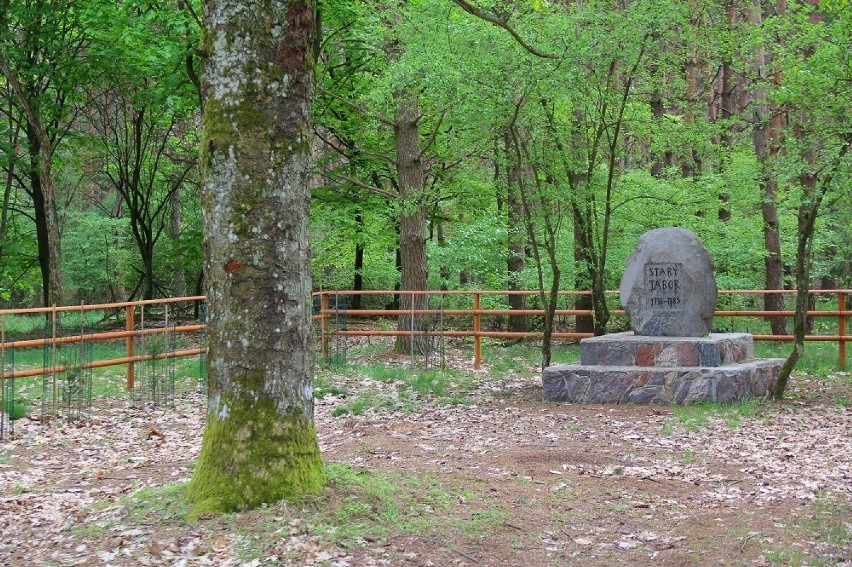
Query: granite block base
(624,368)
(628,349)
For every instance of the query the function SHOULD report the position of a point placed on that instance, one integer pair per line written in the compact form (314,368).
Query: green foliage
(96,259)
(474,80)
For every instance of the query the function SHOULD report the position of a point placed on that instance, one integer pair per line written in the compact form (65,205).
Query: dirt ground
(506,481)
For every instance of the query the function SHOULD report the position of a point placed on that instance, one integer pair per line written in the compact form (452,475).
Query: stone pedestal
(626,368)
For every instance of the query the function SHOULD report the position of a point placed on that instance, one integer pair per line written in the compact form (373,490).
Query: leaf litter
(532,483)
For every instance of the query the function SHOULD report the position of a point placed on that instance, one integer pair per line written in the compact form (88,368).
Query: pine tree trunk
(260,444)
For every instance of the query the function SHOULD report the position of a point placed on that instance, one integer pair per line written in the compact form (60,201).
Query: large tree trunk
(412,223)
(260,444)
(43,192)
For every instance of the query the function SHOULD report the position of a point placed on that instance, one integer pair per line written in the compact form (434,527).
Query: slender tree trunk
(691,160)
(43,190)
(661,162)
(444,269)
(516,242)
(148,266)
(358,280)
(176,233)
(4,211)
(814,187)
(766,137)
(727,110)
(412,223)
(260,444)
(583,323)
(14,131)
(44,211)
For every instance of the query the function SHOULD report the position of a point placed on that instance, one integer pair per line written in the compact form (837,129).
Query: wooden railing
(134,328)
(329,308)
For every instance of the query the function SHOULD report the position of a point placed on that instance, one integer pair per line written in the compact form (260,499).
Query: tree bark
(412,222)
(766,138)
(42,190)
(358,280)
(582,323)
(516,242)
(260,444)
(175,233)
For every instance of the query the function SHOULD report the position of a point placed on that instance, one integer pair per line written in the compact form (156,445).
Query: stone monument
(669,292)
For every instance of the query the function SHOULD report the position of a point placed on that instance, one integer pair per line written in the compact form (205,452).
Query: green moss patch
(254,456)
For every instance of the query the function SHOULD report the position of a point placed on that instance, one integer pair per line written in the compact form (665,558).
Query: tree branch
(361,184)
(501,23)
(356,107)
(432,136)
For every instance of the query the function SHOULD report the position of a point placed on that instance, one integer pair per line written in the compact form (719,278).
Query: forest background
(497,145)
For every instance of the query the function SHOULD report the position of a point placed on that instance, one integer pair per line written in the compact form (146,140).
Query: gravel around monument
(507,480)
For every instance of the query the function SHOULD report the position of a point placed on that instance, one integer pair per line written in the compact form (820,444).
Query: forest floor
(478,472)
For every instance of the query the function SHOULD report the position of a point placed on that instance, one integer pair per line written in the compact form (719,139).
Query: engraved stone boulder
(668,288)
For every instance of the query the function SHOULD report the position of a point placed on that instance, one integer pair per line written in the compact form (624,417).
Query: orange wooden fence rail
(326,312)
(130,332)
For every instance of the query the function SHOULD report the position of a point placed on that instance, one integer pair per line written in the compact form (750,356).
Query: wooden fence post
(841,329)
(477,327)
(130,326)
(324,328)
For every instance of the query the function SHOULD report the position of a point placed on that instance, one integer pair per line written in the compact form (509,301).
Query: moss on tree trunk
(253,455)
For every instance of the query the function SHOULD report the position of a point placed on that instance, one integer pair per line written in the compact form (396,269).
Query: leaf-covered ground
(470,469)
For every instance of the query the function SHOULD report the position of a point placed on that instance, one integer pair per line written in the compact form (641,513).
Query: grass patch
(521,357)
(828,524)
(325,386)
(359,505)
(819,359)
(110,381)
(162,503)
(694,417)
(363,403)
(412,386)
(843,402)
